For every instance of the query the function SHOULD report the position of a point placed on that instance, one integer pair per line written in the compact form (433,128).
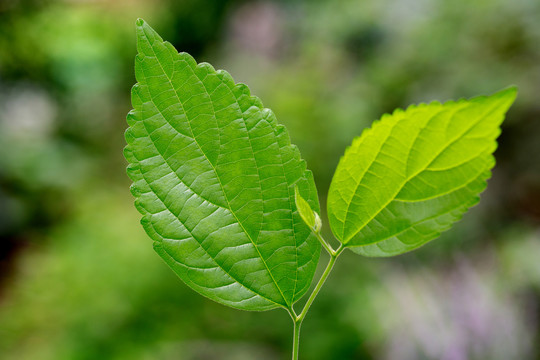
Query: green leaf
(213,175)
(414,173)
(310,217)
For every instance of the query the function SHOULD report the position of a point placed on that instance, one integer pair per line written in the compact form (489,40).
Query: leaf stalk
(329,249)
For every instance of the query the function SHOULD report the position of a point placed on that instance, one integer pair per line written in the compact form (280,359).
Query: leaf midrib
(288,189)
(200,244)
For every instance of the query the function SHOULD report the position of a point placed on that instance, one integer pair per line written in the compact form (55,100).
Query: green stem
(298,319)
(333,257)
(296,339)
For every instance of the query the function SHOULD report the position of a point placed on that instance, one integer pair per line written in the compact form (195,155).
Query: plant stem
(298,319)
(333,257)
(325,245)
(296,339)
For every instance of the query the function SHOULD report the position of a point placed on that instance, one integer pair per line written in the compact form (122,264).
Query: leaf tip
(507,95)
(146,37)
(509,92)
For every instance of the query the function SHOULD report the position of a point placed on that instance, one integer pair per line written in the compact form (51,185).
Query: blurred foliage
(78,278)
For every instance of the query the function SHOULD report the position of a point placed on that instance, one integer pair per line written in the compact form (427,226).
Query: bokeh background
(78,277)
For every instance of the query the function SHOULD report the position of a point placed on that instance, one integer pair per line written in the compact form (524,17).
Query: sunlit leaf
(415,173)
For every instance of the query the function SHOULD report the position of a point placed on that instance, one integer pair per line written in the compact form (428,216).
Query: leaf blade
(422,156)
(214,178)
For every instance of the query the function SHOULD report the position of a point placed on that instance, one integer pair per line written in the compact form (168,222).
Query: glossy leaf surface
(214,175)
(414,173)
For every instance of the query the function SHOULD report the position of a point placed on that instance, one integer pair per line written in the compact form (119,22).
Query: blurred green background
(78,277)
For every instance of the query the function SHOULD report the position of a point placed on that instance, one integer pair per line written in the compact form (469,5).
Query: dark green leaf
(214,177)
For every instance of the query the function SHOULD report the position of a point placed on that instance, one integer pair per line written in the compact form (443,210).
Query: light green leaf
(414,173)
(214,174)
(310,217)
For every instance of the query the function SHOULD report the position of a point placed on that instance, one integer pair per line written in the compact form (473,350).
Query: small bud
(318,223)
